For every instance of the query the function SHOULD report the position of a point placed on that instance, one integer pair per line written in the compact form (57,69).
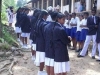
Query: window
(77,0)
(66,2)
(36,4)
(40,4)
(50,2)
(57,2)
(44,4)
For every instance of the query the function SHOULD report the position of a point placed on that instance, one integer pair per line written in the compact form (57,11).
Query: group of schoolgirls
(76,28)
(23,27)
(93,24)
(49,41)
(83,29)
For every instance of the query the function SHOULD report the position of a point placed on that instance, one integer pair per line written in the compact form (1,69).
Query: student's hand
(69,37)
(81,26)
(71,24)
(68,22)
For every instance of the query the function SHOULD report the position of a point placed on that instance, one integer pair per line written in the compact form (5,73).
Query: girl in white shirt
(84,28)
(73,24)
(78,34)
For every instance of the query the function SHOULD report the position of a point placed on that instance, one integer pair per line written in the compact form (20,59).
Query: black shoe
(98,60)
(93,57)
(79,56)
(78,50)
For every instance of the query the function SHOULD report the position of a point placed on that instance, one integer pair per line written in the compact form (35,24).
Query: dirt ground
(79,66)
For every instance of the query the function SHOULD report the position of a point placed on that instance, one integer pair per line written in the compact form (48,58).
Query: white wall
(66,8)
(77,5)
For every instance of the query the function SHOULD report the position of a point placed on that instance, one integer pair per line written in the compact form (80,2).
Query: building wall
(74,5)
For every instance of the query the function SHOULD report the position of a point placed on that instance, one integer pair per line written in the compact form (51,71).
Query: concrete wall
(66,8)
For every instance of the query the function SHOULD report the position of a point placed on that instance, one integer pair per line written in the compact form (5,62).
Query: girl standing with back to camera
(40,42)
(49,48)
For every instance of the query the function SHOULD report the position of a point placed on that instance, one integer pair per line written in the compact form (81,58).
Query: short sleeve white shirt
(84,22)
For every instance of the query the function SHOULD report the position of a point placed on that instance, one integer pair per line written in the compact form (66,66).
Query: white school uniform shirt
(49,18)
(74,21)
(84,22)
(69,24)
(11,17)
(65,24)
(78,25)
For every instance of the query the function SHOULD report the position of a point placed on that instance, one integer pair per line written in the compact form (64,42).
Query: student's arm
(83,25)
(97,21)
(73,24)
(64,37)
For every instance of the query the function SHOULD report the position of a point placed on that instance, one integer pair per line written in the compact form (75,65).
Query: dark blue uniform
(25,24)
(33,27)
(40,41)
(91,25)
(98,34)
(61,41)
(49,49)
(18,19)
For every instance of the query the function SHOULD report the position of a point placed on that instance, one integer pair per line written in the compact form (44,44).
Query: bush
(9,36)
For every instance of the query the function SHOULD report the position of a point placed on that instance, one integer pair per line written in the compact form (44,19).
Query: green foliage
(5,4)
(5,46)
(1,40)
(9,37)
(21,3)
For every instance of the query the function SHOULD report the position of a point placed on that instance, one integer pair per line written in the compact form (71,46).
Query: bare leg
(18,35)
(10,24)
(33,52)
(64,73)
(26,40)
(48,70)
(59,74)
(52,71)
(82,44)
(22,40)
(74,42)
(41,66)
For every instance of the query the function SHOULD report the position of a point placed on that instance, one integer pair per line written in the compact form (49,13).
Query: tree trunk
(0,19)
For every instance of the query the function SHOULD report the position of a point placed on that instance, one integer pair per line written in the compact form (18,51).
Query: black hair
(19,9)
(37,14)
(11,7)
(12,11)
(36,11)
(54,15)
(50,12)
(70,15)
(26,9)
(66,13)
(43,13)
(93,10)
(60,16)
(81,15)
(86,13)
(74,13)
